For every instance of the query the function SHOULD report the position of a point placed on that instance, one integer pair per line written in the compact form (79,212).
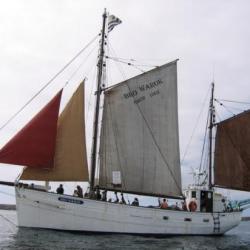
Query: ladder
(216,218)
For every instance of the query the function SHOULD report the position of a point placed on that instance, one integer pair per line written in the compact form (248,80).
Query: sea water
(15,238)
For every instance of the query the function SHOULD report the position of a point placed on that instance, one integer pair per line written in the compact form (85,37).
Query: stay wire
(91,93)
(130,64)
(81,64)
(195,127)
(47,84)
(120,69)
(225,107)
(239,102)
(124,60)
(203,147)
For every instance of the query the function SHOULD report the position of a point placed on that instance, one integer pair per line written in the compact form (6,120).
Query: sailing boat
(138,152)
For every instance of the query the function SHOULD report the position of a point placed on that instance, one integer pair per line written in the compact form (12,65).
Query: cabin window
(193,194)
(205,220)
(187,219)
(165,217)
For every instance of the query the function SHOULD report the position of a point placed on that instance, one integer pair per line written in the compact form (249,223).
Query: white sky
(211,39)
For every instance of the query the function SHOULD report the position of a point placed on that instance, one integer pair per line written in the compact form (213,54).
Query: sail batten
(139,137)
(70,159)
(232,153)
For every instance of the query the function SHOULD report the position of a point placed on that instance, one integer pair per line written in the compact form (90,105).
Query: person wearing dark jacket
(79,191)
(60,189)
(122,199)
(135,202)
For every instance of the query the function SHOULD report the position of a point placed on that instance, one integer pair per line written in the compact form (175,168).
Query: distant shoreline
(7,207)
(245,218)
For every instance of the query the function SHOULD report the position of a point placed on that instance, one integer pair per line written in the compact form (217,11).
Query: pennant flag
(112,22)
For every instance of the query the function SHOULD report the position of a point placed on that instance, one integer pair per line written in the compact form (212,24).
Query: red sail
(34,145)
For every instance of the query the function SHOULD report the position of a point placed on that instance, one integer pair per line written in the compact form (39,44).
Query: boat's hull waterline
(39,209)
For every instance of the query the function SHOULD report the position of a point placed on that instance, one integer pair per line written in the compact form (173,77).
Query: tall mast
(97,104)
(211,123)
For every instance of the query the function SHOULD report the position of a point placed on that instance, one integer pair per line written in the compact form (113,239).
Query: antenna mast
(97,104)
(211,124)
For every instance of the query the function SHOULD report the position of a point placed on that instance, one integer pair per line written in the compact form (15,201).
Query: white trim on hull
(39,209)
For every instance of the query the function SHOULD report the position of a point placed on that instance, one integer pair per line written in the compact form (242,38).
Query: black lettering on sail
(132,93)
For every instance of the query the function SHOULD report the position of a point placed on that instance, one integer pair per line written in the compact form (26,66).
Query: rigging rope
(47,84)
(195,127)
(131,64)
(132,60)
(91,92)
(203,148)
(221,104)
(118,65)
(224,100)
(81,64)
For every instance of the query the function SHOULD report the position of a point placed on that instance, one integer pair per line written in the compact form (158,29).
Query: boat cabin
(205,200)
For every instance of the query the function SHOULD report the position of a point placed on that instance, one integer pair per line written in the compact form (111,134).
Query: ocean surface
(15,238)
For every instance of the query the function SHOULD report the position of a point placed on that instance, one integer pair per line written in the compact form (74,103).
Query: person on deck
(135,202)
(79,192)
(104,195)
(98,193)
(116,198)
(122,199)
(60,189)
(184,206)
(164,204)
(176,206)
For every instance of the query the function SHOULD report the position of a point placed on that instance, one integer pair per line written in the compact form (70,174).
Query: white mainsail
(139,146)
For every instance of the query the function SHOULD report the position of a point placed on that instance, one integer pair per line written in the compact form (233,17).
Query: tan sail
(232,153)
(70,163)
(139,147)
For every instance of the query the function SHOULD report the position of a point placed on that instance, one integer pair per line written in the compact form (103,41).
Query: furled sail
(139,146)
(34,145)
(232,153)
(70,162)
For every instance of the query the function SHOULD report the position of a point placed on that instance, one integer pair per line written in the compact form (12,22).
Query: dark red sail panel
(232,153)
(34,145)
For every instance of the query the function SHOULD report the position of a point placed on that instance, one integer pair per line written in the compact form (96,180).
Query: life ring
(192,206)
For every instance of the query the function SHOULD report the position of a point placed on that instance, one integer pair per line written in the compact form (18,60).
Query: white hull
(44,210)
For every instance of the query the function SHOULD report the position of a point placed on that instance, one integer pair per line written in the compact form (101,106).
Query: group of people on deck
(102,196)
(98,195)
(77,192)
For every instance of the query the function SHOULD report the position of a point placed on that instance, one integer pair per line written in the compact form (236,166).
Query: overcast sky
(211,39)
